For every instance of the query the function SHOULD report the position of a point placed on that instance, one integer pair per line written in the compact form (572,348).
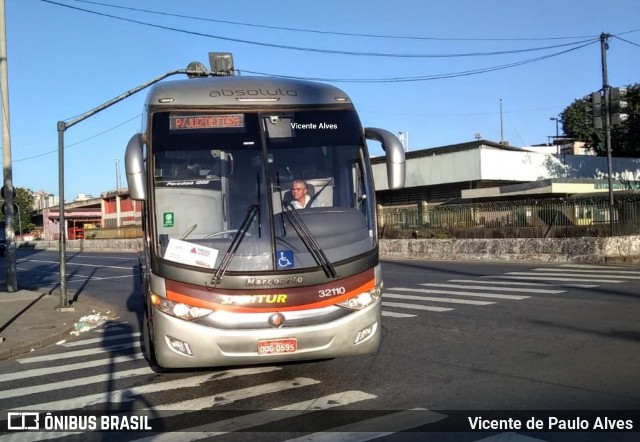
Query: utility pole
(607,125)
(8,191)
(501,128)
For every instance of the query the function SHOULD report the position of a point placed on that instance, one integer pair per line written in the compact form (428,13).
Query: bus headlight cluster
(178,309)
(363,300)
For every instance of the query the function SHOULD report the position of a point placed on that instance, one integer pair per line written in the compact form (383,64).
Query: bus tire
(149,351)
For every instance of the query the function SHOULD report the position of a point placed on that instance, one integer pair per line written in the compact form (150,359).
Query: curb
(27,347)
(63,325)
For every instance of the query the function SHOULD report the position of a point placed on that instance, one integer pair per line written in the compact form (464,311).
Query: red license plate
(277,346)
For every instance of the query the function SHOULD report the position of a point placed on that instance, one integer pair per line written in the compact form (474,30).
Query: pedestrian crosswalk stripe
(251,420)
(605,272)
(59,385)
(69,367)
(415,306)
(499,289)
(397,315)
(524,283)
(80,353)
(362,431)
(592,266)
(129,394)
(576,275)
(100,340)
(228,397)
(434,299)
(461,293)
(539,277)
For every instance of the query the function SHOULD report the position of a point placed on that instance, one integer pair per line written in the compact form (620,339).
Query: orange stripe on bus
(189,300)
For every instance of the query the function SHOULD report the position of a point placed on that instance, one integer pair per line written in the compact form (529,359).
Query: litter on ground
(89,322)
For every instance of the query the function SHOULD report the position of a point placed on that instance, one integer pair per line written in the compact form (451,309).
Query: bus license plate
(277,346)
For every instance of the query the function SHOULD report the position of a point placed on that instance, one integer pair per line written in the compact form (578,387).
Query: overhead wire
(626,41)
(425,77)
(310,49)
(78,142)
(572,46)
(316,31)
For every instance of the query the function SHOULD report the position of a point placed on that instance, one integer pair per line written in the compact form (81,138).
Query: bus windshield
(272,191)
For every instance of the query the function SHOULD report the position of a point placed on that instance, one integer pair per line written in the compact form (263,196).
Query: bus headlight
(363,300)
(178,309)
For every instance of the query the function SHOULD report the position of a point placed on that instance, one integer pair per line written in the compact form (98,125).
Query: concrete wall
(586,250)
(89,245)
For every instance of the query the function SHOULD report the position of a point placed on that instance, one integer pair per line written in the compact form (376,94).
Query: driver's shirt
(297,205)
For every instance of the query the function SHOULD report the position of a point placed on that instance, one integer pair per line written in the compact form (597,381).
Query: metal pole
(501,129)
(62,127)
(117,161)
(607,127)
(62,231)
(557,134)
(8,189)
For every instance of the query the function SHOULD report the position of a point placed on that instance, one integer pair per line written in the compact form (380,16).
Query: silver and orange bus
(232,272)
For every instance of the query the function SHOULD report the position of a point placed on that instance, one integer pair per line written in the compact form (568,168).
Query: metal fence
(123,232)
(572,216)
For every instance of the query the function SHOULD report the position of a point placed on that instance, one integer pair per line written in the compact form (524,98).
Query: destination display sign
(190,122)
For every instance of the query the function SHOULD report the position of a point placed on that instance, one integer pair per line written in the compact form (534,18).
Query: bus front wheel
(149,350)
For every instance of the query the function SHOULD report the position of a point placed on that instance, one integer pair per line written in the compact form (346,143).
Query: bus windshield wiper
(309,241)
(254,209)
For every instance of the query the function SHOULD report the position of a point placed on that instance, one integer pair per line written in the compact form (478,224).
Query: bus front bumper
(183,344)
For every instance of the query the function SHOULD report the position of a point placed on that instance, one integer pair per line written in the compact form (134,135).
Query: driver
(299,194)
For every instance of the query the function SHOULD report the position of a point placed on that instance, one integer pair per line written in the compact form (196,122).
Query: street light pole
(607,127)
(8,191)
(117,173)
(62,126)
(557,133)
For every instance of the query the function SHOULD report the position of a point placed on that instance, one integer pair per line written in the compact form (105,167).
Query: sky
(442,72)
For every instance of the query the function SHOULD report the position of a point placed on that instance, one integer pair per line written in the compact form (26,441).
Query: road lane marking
(535,284)
(36,372)
(131,394)
(71,263)
(70,383)
(100,340)
(433,299)
(80,353)
(606,272)
(588,277)
(251,420)
(499,289)
(229,397)
(365,430)
(538,277)
(593,266)
(461,293)
(416,306)
(397,315)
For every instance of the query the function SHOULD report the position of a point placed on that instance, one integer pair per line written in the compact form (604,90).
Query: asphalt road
(459,339)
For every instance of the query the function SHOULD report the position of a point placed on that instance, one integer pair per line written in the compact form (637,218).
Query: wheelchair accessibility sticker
(285,259)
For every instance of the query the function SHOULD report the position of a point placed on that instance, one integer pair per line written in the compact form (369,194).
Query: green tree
(24,201)
(625,138)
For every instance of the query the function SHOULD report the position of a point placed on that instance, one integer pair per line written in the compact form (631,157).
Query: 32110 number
(334,291)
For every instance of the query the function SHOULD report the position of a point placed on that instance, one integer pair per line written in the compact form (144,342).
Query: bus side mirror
(134,166)
(394,155)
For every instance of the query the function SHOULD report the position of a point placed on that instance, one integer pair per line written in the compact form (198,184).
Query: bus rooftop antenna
(221,63)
